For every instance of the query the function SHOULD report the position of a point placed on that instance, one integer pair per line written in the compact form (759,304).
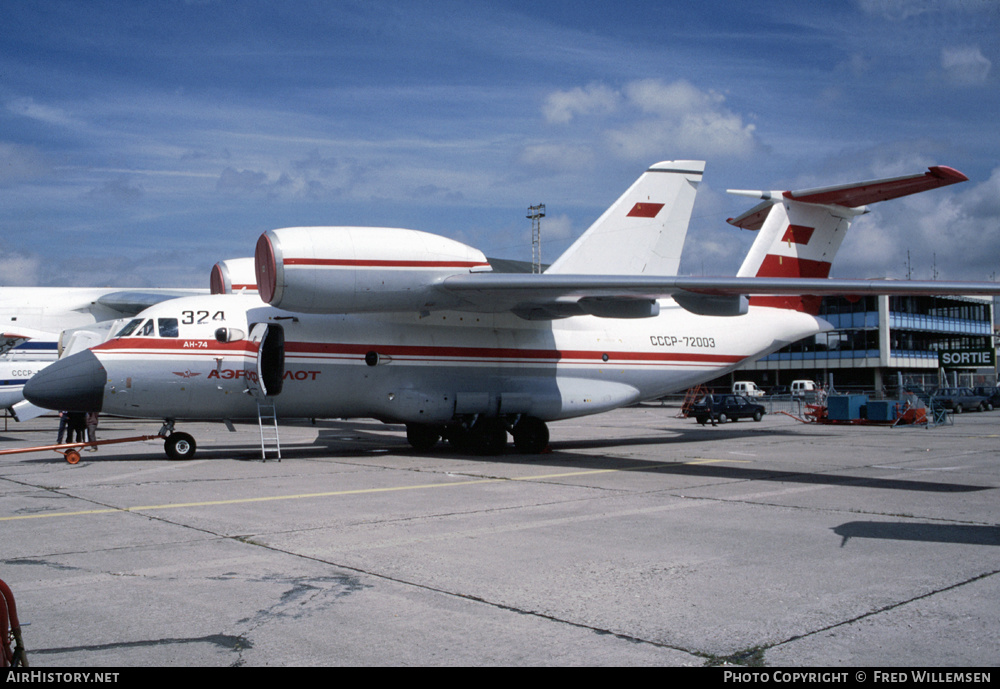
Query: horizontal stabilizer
(800,232)
(864,193)
(852,195)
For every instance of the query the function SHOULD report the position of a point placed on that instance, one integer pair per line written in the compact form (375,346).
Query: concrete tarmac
(640,539)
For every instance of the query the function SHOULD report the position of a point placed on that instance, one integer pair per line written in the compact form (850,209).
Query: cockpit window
(168,327)
(147,327)
(129,328)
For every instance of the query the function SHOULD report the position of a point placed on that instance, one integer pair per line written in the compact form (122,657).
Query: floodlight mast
(535,214)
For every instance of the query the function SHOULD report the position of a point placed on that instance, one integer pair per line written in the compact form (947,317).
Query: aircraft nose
(75,383)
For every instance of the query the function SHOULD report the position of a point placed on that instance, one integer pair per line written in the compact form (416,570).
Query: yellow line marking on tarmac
(359,491)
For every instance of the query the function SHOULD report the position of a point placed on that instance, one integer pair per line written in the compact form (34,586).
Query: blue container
(845,407)
(882,410)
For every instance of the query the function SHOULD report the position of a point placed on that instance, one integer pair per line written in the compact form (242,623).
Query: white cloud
(682,119)
(650,117)
(561,106)
(952,231)
(27,107)
(557,227)
(966,66)
(18,269)
(678,98)
(896,9)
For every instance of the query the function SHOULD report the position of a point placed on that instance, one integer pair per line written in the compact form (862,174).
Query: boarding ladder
(267,419)
(690,397)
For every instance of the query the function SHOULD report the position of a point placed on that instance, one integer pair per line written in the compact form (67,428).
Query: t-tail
(643,232)
(801,231)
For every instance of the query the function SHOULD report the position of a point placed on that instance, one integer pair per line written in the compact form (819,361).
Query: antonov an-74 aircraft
(414,328)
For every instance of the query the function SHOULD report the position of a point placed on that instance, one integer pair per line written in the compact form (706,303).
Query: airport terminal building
(877,337)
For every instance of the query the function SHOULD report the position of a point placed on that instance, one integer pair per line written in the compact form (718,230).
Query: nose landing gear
(177,445)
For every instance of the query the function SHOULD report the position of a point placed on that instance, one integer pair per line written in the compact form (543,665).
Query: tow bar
(71,451)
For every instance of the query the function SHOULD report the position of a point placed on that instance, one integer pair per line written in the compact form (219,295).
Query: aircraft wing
(544,297)
(131,302)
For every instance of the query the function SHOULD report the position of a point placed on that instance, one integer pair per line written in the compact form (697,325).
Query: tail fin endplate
(801,231)
(643,232)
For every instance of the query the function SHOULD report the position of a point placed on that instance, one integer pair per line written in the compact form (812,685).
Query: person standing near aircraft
(91,422)
(77,426)
(63,423)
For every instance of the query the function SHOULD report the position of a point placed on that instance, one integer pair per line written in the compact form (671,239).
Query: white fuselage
(427,369)
(14,373)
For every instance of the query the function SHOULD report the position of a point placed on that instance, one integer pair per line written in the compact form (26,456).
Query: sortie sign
(975,358)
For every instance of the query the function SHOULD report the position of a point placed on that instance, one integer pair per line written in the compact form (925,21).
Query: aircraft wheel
(489,437)
(421,436)
(531,435)
(179,446)
(459,437)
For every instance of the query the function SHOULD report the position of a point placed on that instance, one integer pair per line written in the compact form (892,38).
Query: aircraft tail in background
(801,231)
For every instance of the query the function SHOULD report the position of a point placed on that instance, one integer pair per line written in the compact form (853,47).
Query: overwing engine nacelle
(235,275)
(360,269)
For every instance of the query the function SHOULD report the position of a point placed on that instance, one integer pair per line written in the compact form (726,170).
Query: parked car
(990,393)
(723,408)
(961,399)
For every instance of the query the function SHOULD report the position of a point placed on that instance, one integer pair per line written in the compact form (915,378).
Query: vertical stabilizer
(643,232)
(801,231)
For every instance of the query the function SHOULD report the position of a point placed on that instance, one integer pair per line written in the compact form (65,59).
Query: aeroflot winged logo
(645,210)
(186,374)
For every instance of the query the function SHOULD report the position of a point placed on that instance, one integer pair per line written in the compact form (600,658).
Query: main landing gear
(483,435)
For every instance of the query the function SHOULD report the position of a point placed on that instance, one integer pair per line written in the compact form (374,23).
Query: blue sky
(142,142)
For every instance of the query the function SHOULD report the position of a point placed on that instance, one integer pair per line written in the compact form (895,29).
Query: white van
(801,387)
(747,388)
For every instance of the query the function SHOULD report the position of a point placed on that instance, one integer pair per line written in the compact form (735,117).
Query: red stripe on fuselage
(372,263)
(187,346)
(551,355)
(138,345)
